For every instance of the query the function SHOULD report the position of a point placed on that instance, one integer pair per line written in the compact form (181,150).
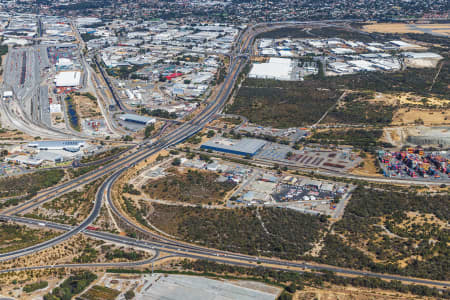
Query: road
(175,248)
(120,166)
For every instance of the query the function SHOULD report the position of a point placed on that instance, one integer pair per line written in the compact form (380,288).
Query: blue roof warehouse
(238,147)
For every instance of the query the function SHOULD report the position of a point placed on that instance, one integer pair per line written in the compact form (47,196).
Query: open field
(98,292)
(333,292)
(29,183)
(403,28)
(15,237)
(86,107)
(390,28)
(421,116)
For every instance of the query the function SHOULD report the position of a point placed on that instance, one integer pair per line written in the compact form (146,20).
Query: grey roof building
(239,147)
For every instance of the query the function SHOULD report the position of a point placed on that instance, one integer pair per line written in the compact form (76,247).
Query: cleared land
(406,28)
(98,292)
(192,187)
(334,292)
(411,116)
(86,106)
(390,28)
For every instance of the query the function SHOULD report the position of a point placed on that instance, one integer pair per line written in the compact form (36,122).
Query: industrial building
(72,146)
(137,119)
(276,68)
(68,79)
(245,147)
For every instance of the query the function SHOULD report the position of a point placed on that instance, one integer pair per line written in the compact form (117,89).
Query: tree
(148,130)
(291,288)
(176,162)
(129,295)
(210,134)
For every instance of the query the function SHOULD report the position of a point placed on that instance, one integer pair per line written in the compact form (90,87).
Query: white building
(276,68)
(68,79)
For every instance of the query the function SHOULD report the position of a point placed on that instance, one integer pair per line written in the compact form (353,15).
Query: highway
(177,249)
(157,242)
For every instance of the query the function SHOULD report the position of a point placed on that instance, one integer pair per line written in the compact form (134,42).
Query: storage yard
(416,163)
(335,160)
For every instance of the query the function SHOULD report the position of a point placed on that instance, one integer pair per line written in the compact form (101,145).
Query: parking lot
(336,160)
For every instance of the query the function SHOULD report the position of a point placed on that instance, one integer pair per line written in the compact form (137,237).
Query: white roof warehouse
(66,79)
(276,68)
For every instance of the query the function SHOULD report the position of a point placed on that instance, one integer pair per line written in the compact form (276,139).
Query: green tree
(148,130)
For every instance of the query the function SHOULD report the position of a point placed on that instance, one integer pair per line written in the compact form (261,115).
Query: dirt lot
(417,116)
(409,99)
(353,293)
(86,107)
(390,28)
(368,168)
(407,28)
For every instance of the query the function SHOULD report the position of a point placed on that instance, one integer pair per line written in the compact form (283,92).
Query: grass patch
(31,287)
(365,139)
(29,183)
(73,285)
(70,208)
(98,292)
(14,237)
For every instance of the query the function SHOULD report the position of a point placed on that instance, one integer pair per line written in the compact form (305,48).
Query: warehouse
(72,146)
(68,79)
(137,119)
(245,147)
(276,68)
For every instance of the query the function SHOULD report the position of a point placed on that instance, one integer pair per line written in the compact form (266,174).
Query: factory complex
(244,147)
(286,57)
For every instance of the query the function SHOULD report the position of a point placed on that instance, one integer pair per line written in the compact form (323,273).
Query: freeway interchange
(155,242)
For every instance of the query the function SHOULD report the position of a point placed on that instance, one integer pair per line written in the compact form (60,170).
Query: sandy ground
(390,28)
(406,28)
(368,168)
(429,117)
(432,26)
(86,107)
(408,98)
(347,293)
